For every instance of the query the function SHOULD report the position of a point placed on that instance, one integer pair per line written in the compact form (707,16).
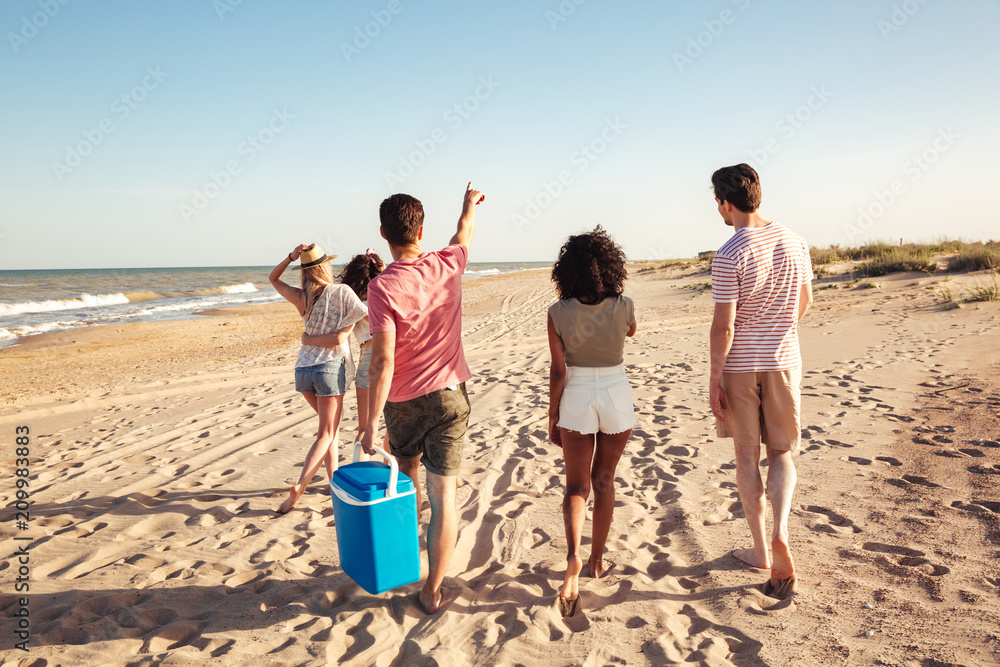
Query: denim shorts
(596,399)
(326,379)
(361,376)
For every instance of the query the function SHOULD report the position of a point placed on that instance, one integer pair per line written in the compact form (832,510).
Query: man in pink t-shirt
(418,370)
(761,285)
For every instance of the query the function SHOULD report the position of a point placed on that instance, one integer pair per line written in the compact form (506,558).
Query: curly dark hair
(590,267)
(358,272)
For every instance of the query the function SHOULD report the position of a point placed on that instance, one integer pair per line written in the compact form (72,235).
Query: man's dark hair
(739,185)
(590,267)
(402,217)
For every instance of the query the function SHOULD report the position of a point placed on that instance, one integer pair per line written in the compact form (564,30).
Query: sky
(225,132)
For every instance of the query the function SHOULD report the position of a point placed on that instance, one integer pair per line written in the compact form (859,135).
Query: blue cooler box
(375,512)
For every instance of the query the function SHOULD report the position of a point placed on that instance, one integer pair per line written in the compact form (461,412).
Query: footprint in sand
(144,562)
(171,637)
(906,557)
(831,521)
(890,460)
(83,529)
(913,479)
(210,517)
(977,506)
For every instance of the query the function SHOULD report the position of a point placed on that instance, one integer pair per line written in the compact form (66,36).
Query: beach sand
(159,450)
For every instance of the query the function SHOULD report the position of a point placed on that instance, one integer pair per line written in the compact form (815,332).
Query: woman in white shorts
(356,274)
(591,415)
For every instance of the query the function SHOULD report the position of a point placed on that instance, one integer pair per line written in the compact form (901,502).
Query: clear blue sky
(116,115)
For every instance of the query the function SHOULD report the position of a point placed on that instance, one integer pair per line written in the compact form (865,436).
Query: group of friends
(407,319)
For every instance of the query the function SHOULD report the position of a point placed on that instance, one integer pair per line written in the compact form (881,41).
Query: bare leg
(328,459)
(329,408)
(442,535)
(410,468)
(781,478)
(602,478)
(751,488)
(578,452)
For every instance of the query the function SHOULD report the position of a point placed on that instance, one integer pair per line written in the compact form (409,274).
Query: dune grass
(977,257)
(985,291)
(879,258)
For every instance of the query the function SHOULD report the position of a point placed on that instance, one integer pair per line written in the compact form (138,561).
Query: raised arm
(292,294)
(467,221)
(557,380)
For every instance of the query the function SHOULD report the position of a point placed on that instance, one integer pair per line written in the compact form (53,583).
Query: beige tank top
(593,335)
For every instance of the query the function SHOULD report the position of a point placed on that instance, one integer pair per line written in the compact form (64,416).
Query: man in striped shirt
(761,286)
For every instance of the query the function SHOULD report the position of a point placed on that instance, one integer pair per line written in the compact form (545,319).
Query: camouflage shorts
(432,427)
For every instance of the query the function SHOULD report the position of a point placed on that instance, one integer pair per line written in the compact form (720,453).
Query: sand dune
(156,467)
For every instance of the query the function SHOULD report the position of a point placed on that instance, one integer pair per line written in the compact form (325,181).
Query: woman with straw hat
(322,370)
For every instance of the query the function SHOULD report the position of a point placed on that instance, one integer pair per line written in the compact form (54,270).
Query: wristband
(290,257)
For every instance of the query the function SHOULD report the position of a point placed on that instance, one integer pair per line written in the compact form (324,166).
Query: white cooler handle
(393,467)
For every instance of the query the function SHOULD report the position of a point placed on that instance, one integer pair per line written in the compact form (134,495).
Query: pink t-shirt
(762,271)
(421,300)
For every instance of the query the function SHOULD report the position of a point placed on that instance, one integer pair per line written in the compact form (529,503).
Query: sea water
(35,302)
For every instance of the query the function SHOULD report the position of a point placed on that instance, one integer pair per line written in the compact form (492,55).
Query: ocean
(35,302)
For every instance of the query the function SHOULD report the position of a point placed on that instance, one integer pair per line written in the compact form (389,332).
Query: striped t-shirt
(762,270)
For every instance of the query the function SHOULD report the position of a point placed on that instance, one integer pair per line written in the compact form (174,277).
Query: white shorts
(596,399)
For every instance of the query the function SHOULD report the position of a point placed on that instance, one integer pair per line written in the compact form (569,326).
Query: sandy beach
(159,451)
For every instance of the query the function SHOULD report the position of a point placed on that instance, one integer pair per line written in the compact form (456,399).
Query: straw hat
(312,256)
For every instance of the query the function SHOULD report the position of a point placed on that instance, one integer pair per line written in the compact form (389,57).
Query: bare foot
(599,567)
(431,603)
(293,497)
(782,582)
(571,586)
(783,567)
(750,557)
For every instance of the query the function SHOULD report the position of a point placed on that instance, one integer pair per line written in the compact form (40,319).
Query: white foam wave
(21,332)
(484,272)
(239,289)
(84,301)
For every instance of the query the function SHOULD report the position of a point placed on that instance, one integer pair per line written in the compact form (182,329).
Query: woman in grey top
(324,366)
(591,415)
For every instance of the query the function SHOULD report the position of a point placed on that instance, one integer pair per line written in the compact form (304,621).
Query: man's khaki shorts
(763,408)
(432,427)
